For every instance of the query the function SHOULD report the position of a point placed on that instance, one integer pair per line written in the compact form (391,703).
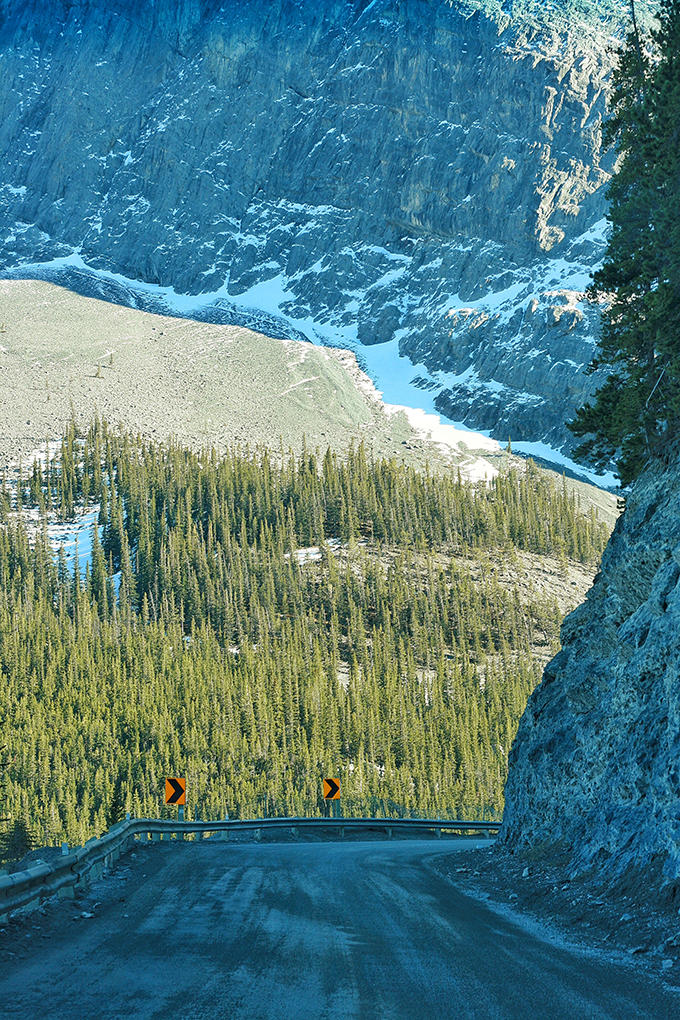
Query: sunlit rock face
(595,766)
(410,169)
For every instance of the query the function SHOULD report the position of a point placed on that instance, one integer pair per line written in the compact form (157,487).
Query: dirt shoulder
(541,889)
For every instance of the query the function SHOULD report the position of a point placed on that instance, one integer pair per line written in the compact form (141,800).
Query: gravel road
(308,931)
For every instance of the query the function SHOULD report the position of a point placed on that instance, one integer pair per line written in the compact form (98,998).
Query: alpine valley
(197,197)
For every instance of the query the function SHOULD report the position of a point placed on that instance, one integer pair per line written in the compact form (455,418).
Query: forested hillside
(204,641)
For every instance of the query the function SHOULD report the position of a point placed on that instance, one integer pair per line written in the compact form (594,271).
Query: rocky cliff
(418,170)
(595,767)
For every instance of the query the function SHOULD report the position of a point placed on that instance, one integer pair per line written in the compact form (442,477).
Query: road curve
(308,931)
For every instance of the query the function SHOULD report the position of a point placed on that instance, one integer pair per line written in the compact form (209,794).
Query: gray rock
(595,766)
(400,169)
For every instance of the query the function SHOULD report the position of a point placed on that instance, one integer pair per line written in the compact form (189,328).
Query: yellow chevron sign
(331,789)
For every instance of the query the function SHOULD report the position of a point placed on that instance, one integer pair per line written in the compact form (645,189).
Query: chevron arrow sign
(175,791)
(331,789)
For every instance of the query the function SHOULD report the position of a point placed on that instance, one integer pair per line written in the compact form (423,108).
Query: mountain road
(354,930)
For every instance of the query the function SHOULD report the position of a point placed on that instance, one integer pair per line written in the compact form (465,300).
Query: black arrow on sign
(333,788)
(177,791)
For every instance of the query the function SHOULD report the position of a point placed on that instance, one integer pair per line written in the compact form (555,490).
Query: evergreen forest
(257,622)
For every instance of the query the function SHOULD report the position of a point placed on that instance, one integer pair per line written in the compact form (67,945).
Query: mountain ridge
(427,173)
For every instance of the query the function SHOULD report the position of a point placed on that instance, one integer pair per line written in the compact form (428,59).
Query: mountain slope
(405,169)
(204,384)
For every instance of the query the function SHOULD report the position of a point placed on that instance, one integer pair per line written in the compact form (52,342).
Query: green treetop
(636,412)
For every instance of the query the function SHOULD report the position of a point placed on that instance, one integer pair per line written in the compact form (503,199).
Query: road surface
(302,931)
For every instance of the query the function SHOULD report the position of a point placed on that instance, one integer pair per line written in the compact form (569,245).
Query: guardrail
(26,890)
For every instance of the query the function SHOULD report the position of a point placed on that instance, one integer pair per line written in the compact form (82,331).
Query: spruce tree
(636,412)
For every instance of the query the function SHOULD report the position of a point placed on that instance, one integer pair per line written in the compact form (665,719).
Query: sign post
(331,792)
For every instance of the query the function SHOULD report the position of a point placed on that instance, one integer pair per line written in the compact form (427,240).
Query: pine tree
(224,657)
(18,841)
(636,412)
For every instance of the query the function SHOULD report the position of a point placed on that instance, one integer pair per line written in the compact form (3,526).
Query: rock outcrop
(422,170)
(595,767)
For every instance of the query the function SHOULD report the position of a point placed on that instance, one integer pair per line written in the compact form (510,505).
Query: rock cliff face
(413,169)
(595,766)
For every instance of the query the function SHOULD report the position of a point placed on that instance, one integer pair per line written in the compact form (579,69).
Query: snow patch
(75,535)
(430,426)
(393,376)
(544,452)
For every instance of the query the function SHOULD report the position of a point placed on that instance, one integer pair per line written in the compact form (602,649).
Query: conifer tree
(636,412)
